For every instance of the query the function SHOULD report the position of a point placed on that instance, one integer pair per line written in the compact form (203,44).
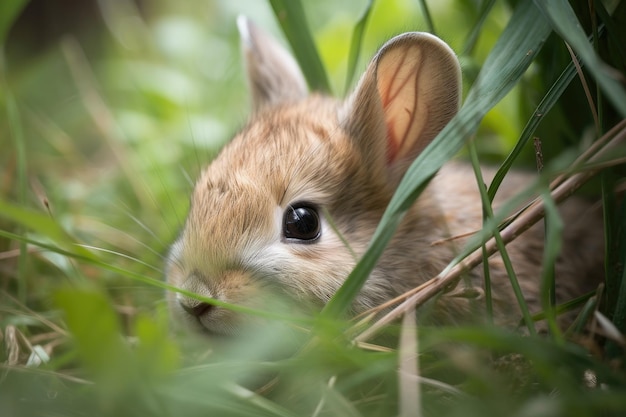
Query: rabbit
(291,202)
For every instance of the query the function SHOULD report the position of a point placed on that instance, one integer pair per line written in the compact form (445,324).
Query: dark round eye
(301,222)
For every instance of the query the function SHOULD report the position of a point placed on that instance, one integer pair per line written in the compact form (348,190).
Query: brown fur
(347,158)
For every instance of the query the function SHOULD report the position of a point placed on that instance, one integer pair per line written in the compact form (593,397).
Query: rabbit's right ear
(273,74)
(410,91)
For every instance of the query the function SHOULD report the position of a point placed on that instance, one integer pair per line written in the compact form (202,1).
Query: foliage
(104,130)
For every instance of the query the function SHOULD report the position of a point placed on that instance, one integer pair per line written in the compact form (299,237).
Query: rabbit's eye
(301,222)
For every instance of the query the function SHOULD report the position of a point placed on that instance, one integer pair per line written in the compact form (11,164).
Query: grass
(104,133)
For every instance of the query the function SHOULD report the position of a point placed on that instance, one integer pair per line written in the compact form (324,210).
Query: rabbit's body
(291,203)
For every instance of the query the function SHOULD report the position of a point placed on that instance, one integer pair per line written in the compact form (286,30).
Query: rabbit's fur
(345,160)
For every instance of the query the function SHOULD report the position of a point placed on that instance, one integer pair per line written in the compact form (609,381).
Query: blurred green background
(109,110)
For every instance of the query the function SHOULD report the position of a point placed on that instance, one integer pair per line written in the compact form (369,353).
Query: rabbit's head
(291,203)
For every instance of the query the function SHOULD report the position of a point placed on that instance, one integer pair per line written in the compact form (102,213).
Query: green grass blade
(96,329)
(355,44)
(427,17)
(79,253)
(552,249)
(42,224)
(9,11)
(519,43)
(506,260)
(477,29)
(615,233)
(615,33)
(290,15)
(565,23)
(15,125)
(546,104)
(487,214)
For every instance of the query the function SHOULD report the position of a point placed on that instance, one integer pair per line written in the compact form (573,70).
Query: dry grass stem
(585,85)
(410,403)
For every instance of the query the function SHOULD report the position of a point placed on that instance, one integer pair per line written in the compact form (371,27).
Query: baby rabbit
(308,174)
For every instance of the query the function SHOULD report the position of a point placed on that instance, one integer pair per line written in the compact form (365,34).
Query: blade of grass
(95,328)
(263,404)
(549,272)
(589,304)
(506,260)
(564,22)
(612,224)
(355,44)
(15,125)
(615,232)
(9,11)
(338,405)
(567,306)
(427,16)
(593,107)
(473,36)
(543,353)
(598,110)
(614,33)
(521,40)
(41,224)
(548,101)
(83,255)
(486,272)
(291,17)
(552,248)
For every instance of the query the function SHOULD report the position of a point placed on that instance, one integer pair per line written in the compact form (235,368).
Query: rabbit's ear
(273,74)
(410,91)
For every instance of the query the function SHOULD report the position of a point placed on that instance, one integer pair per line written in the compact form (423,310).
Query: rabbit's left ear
(410,91)
(273,74)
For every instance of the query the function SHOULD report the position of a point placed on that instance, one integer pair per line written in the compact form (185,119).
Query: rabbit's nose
(197,284)
(194,307)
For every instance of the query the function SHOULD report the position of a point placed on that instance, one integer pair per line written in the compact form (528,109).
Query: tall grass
(102,138)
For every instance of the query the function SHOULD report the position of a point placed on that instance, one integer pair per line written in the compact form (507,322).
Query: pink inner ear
(393,144)
(398,90)
(411,89)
